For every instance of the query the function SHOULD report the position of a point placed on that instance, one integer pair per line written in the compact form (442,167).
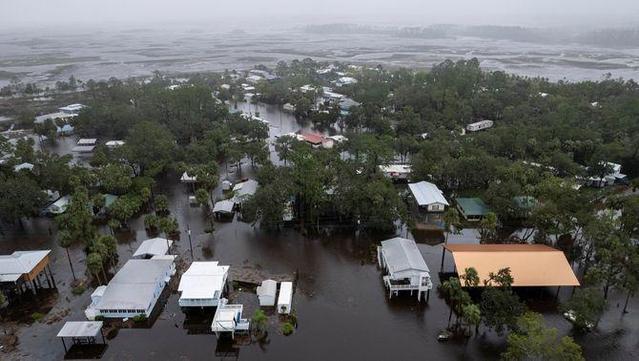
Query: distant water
(45,57)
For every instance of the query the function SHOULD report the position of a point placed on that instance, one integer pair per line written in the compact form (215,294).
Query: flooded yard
(342,308)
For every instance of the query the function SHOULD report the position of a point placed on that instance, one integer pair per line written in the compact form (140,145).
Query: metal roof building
(135,288)
(202,284)
(23,263)
(472,209)
(531,265)
(406,268)
(153,247)
(427,195)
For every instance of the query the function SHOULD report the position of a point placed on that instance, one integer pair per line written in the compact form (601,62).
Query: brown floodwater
(342,308)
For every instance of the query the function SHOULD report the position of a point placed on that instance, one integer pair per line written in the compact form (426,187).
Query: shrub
(78,290)
(259,320)
(287,328)
(139,318)
(151,221)
(37,316)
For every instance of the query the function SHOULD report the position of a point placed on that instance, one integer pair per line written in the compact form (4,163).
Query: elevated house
(22,270)
(428,197)
(203,284)
(134,290)
(404,266)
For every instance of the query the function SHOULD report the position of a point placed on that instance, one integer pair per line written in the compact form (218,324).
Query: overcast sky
(401,12)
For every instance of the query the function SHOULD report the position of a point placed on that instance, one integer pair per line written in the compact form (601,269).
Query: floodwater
(47,56)
(342,308)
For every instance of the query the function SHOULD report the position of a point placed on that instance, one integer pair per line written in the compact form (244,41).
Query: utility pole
(188,231)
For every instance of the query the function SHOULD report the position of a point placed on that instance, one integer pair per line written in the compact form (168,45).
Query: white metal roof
(21,166)
(225,206)
(18,263)
(401,254)
(53,116)
(114,143)
(134,285)
(268,288)
(153,247)
(426,193)
(87,141)
(203,280)
(396,168)
(246,188)
(286,293)
(80,329)
(186,178)
(83,148)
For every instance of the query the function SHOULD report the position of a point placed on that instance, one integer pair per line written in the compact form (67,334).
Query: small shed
(81,333)
(472,209)
(266,293)
(223,209)
(285,298)
(186,178)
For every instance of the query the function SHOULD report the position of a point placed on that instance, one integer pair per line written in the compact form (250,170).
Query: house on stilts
(405,267)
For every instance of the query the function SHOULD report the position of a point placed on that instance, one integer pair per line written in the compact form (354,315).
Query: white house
(228,318)
(58,207)
(134,290)
(112,144)
(396,171)
(609,179)
(266,293)
(72,108)
(23,166)
(55,117)
(428,196)
(244,190)
(481,125)
(153,247)
(285,298)
(405,267)
(202,284)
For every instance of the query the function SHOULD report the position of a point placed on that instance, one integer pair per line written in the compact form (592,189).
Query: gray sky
(402,12)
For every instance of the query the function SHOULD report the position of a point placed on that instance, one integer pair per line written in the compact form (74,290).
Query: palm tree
(94,264)
(64,238)
(452,222)
(470,277)
(472,316)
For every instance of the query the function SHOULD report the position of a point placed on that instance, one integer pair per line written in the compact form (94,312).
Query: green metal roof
(473,206)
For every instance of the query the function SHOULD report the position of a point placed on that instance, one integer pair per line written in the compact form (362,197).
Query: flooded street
(342,307)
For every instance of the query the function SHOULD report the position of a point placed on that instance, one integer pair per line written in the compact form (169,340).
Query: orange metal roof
(531,265)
